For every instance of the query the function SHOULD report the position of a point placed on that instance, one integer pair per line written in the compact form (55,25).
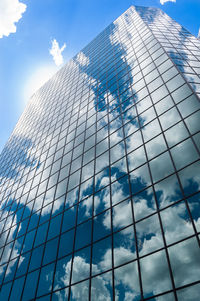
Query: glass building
(100,196)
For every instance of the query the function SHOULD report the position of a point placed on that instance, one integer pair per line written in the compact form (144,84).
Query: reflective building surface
(100,196)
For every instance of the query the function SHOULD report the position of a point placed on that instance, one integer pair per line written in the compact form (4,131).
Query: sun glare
(39,77)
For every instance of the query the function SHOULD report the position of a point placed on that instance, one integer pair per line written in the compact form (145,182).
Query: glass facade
(99,189)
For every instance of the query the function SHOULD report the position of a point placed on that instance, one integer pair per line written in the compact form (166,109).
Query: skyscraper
(100,177)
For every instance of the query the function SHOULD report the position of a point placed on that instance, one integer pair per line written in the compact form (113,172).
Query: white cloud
(198,34)
(152,266)
(81,270)
(164,1)
(10,13)
(8,252)
(56,52)
(82,59)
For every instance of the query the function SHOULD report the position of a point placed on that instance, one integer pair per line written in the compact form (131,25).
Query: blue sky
(25,58)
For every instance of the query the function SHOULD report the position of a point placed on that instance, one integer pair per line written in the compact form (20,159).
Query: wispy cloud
(56,52)
(199,34)
(10,13)
(164,1)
